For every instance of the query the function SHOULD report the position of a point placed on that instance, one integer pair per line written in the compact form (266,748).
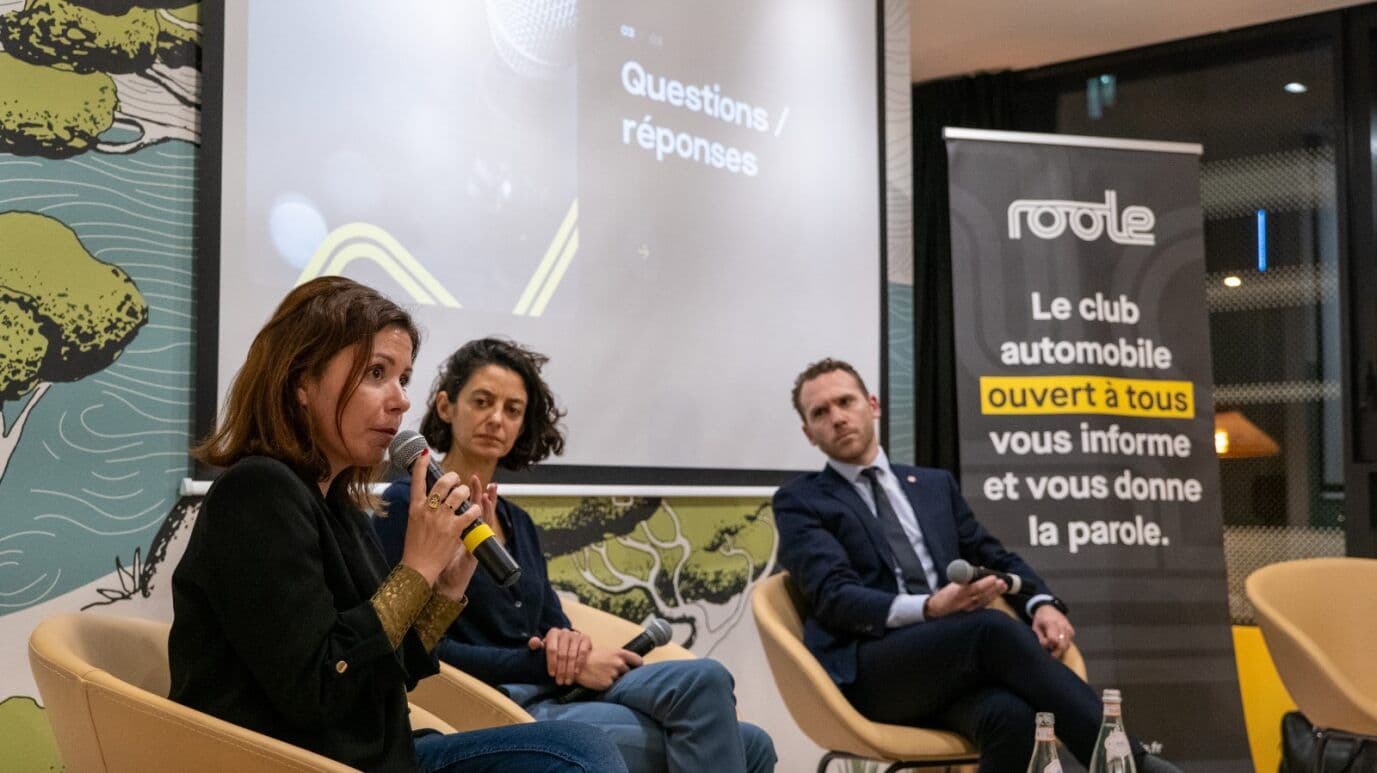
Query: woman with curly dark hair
(287,620)
(491,408)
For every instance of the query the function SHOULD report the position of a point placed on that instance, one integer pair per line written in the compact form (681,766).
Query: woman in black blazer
(287,620)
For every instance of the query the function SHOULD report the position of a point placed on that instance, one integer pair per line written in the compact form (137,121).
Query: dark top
(273,629)
(838,557)
(490,639)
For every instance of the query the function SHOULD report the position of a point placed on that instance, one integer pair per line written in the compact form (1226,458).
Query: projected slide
(679,203)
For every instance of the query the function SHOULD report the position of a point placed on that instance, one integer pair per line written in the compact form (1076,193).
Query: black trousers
(982,674)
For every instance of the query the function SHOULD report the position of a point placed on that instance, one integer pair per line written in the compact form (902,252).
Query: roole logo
(1088,220)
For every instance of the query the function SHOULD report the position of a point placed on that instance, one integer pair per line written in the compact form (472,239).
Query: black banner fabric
(1086,413)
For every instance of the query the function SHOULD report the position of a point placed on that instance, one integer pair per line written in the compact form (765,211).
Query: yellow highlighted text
(1030,395)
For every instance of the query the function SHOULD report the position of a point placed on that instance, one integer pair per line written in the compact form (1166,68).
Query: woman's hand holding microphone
(453,581)
(433,545)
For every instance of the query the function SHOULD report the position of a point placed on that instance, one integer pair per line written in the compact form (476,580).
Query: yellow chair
(824,714)
(467,703)
(1317,619)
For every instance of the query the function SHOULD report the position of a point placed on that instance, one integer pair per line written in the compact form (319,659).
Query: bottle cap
(1045,731)
(1112,696)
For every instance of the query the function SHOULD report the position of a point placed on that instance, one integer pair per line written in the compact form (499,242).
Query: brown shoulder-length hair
(540,434)
(262,415)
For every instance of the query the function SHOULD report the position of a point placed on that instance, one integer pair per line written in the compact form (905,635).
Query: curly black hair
(541,434)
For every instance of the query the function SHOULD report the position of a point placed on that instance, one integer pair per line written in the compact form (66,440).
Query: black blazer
(273,629)
(837,555)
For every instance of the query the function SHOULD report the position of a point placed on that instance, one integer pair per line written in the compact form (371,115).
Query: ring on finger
(434,502)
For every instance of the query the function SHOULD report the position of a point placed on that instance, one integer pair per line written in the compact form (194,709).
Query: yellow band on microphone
(477,536)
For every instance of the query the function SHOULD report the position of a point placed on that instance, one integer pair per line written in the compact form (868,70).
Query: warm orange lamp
(1237,438)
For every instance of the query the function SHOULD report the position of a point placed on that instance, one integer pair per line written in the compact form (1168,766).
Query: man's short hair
(825,365)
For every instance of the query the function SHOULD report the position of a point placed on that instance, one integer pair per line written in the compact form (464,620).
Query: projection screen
(679,203)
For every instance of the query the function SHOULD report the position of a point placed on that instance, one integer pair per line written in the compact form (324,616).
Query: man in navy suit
(867,543)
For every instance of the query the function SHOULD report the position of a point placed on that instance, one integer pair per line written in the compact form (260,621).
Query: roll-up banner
(1086,415)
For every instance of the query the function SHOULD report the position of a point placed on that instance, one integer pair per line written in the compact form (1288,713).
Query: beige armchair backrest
(818,706)
(466,702)
(608,630)
(1320,624)
(103,680)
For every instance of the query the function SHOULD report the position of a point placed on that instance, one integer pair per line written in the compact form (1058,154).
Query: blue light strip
(1262,240)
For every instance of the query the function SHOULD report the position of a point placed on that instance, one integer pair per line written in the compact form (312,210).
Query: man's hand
(1053,629)
(954,597)
(566,653)
(605,665)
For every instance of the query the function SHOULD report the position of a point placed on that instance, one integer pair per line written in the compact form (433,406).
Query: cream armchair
(103,680)
(1316,617)
(824,714)
(465,702)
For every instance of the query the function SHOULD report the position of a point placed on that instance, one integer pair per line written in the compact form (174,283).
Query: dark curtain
(971,102)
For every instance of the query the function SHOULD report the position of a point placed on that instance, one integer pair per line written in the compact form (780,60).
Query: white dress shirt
(907,608)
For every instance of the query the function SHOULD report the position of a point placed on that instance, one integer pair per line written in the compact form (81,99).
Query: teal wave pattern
(99,461)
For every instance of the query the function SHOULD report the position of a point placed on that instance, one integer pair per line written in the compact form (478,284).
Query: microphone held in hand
(657,632)
(963,573)
(478,537)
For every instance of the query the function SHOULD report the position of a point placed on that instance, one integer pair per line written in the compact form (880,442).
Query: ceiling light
(1232,281)
(1295,87)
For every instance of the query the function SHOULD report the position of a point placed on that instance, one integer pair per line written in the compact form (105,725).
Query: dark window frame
(1352,35)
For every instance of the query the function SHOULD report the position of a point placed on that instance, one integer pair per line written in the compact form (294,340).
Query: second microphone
(478,537)
(657,633)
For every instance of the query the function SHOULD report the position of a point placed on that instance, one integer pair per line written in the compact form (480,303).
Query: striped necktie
(906,558)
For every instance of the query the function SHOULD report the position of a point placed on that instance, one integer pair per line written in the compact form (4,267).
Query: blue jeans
(546,747)
(670,717)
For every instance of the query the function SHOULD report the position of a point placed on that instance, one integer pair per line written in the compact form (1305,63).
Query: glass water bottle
(1113,752)
(1045,758)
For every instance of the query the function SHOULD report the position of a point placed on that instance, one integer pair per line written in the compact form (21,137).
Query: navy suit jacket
(833,548)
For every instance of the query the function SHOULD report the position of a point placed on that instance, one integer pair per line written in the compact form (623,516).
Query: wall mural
(691,561)
(99,116)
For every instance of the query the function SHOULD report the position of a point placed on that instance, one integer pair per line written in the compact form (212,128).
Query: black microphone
(479,539)
(657,632)
(961,572)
